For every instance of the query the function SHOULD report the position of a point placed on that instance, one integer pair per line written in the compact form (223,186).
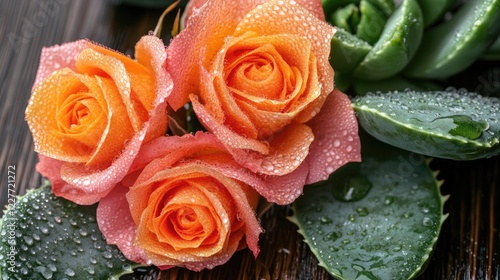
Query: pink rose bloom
(259,78)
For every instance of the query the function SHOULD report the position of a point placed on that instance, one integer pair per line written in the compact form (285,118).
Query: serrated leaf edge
(426,257)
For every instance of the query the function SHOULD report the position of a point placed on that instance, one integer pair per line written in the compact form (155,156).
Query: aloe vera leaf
(329,6)
(347,51)
(446,124)
(346,17)
(397,44)
(45,237)
(395,83)
(453,45)
(378,219)
(386,6)
(372,22)
(493,52)
(343,81)
(433,10)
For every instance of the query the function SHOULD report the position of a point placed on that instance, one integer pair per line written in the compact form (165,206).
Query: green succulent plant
(424,39)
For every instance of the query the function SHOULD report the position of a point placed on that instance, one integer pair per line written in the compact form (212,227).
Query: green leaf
(454,45)
(433,10)
(449,124)
(493,52)
(46,237)
(329,6)
(343,81)
(378,219)
(347,51)
(362,87)
(372,22)
(346,18)
(397,44)
(386,6)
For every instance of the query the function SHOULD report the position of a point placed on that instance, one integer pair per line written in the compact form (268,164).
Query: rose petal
(170,149)
(117,226)
(150,52)
(314,6)
(58,57)
(228,137)
(285,189)
(336,138)
(87,187)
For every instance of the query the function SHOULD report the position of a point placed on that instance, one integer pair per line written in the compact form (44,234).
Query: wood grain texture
(469,247)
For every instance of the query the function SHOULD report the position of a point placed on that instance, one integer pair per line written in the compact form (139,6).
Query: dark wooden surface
(469,246)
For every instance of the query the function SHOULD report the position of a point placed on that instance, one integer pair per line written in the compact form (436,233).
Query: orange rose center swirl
(266,83)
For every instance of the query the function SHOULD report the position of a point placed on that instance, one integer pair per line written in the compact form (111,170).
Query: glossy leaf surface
(447,124)
(378,219)
(452,46)
(46,237)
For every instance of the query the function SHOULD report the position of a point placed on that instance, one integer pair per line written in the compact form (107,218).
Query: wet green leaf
(342,81)
(347,51)
(372,22)
(362,87)
(378,219)
(386,6)
(347,18)
(45,237)
(455,44)
(447,124)
(329,6)
(433,10)
(397,44)
(493,52)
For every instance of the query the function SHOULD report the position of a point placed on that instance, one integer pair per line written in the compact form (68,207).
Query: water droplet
(44,230)
(407,215)
(109,264)
(358,267)
(351,218)
(82,232)
(325,220)
(362,211)
(69,272)
(45,272)
(90,270)
(52,267)
(389,200)
(57,219)
(427,221)
(333,249)
(107,254)
(24,270)
(28,240)
(336,143)
(332,236)
(350,185)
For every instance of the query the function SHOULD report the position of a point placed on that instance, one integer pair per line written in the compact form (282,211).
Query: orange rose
(91,109)
(258,75)
(188,207)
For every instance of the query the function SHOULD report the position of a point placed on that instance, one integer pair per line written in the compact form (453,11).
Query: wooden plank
(469,247)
